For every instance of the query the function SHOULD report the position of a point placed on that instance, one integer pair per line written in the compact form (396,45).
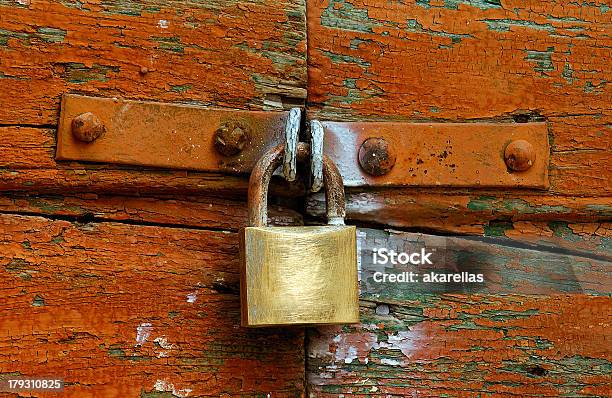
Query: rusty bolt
(87,127)
(231,138)
(519,155)
(376,157)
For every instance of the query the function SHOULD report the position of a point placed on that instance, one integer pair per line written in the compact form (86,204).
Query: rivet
(87,127)
(231,138)
(376,157)
(519,155)
(144,70)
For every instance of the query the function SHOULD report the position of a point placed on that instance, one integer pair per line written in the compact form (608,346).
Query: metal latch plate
(440,154)
(166,135)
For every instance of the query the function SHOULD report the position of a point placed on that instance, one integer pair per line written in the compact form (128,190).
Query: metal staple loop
(316,155)
(270,161)
(292,130)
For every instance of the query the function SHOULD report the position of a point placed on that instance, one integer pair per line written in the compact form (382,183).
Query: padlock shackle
(262,173)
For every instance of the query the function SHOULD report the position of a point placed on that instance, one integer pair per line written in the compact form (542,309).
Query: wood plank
(411,342)
(464,213)
(231,54)
(127,310)
(230,214)
(436,61)
(196,212)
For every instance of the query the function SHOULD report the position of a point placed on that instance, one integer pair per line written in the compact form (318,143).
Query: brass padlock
(297,275)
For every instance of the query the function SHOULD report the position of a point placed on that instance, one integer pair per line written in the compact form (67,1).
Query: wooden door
(124,280)
(121,280)
(467,61)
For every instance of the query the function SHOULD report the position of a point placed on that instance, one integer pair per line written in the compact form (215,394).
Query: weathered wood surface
(459,59)
(128,310)
(82,269)
(414,343)
(192,212)
(472,212)
(467,346)
(231,54)
(503,61)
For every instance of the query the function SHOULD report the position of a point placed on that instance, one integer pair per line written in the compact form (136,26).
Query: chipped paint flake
(403,341)
(163,24)
(165,386)
(192,297)
(346,354)
(390,362)
(143,331)
(344,348)
(162,342)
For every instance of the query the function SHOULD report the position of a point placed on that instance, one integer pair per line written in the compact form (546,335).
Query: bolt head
(87,127)
(519,155)
(376,157)
(231,138)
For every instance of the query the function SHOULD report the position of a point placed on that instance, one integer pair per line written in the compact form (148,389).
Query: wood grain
(79,297)
(127,310)
(432,346)
(464,213)
(459,59)
(189,211)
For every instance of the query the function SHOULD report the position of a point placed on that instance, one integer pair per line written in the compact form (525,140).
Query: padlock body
(299,275)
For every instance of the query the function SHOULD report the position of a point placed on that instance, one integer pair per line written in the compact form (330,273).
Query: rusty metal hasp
(165,135)
(367,153)
(439,154)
